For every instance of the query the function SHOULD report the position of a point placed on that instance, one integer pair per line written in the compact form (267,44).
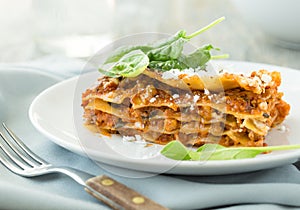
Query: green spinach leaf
(121,51)
(169,51)
(167,65)
(177,151)
(130,65)
(198,58)
(218,152)
(163,55)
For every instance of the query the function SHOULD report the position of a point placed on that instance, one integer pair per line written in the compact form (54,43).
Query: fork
(18,158)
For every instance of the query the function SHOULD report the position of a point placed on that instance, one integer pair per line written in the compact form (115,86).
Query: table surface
(235,36)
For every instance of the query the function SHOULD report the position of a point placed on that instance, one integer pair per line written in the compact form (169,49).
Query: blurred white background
(32,29)
(17,31)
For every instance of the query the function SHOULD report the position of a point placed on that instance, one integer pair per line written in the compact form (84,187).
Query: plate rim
(31,70)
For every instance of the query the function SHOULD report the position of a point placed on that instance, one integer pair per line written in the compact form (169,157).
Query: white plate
(57,113)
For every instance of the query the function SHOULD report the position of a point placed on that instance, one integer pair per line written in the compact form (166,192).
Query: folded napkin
(277,188)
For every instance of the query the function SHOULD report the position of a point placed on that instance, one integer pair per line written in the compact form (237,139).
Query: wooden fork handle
(120,194)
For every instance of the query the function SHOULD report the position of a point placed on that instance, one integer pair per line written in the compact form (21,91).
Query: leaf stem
(196,33)
(269,148)
(214,57)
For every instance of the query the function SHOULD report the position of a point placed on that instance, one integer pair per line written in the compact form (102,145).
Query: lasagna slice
(227,109)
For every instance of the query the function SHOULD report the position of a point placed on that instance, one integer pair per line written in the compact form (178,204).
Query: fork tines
(15,155)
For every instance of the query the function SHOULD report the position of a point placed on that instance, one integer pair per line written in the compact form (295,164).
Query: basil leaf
(218,152)
(130,65)
(167,52)
(207,150)
(163,55)
(210,148)
(169,40)
(167,65)
(107,73)
(198,58)
(193,155)
(121,51)
(176,150)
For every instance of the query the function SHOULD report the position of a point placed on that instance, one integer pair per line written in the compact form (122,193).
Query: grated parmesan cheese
(263,105)
(175,96)
(192,107)
(174,73)
(282,128)
(138,125)
(187,96)
(196,97)
(206,92)
(128,138)
(266,78)
(152,100)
